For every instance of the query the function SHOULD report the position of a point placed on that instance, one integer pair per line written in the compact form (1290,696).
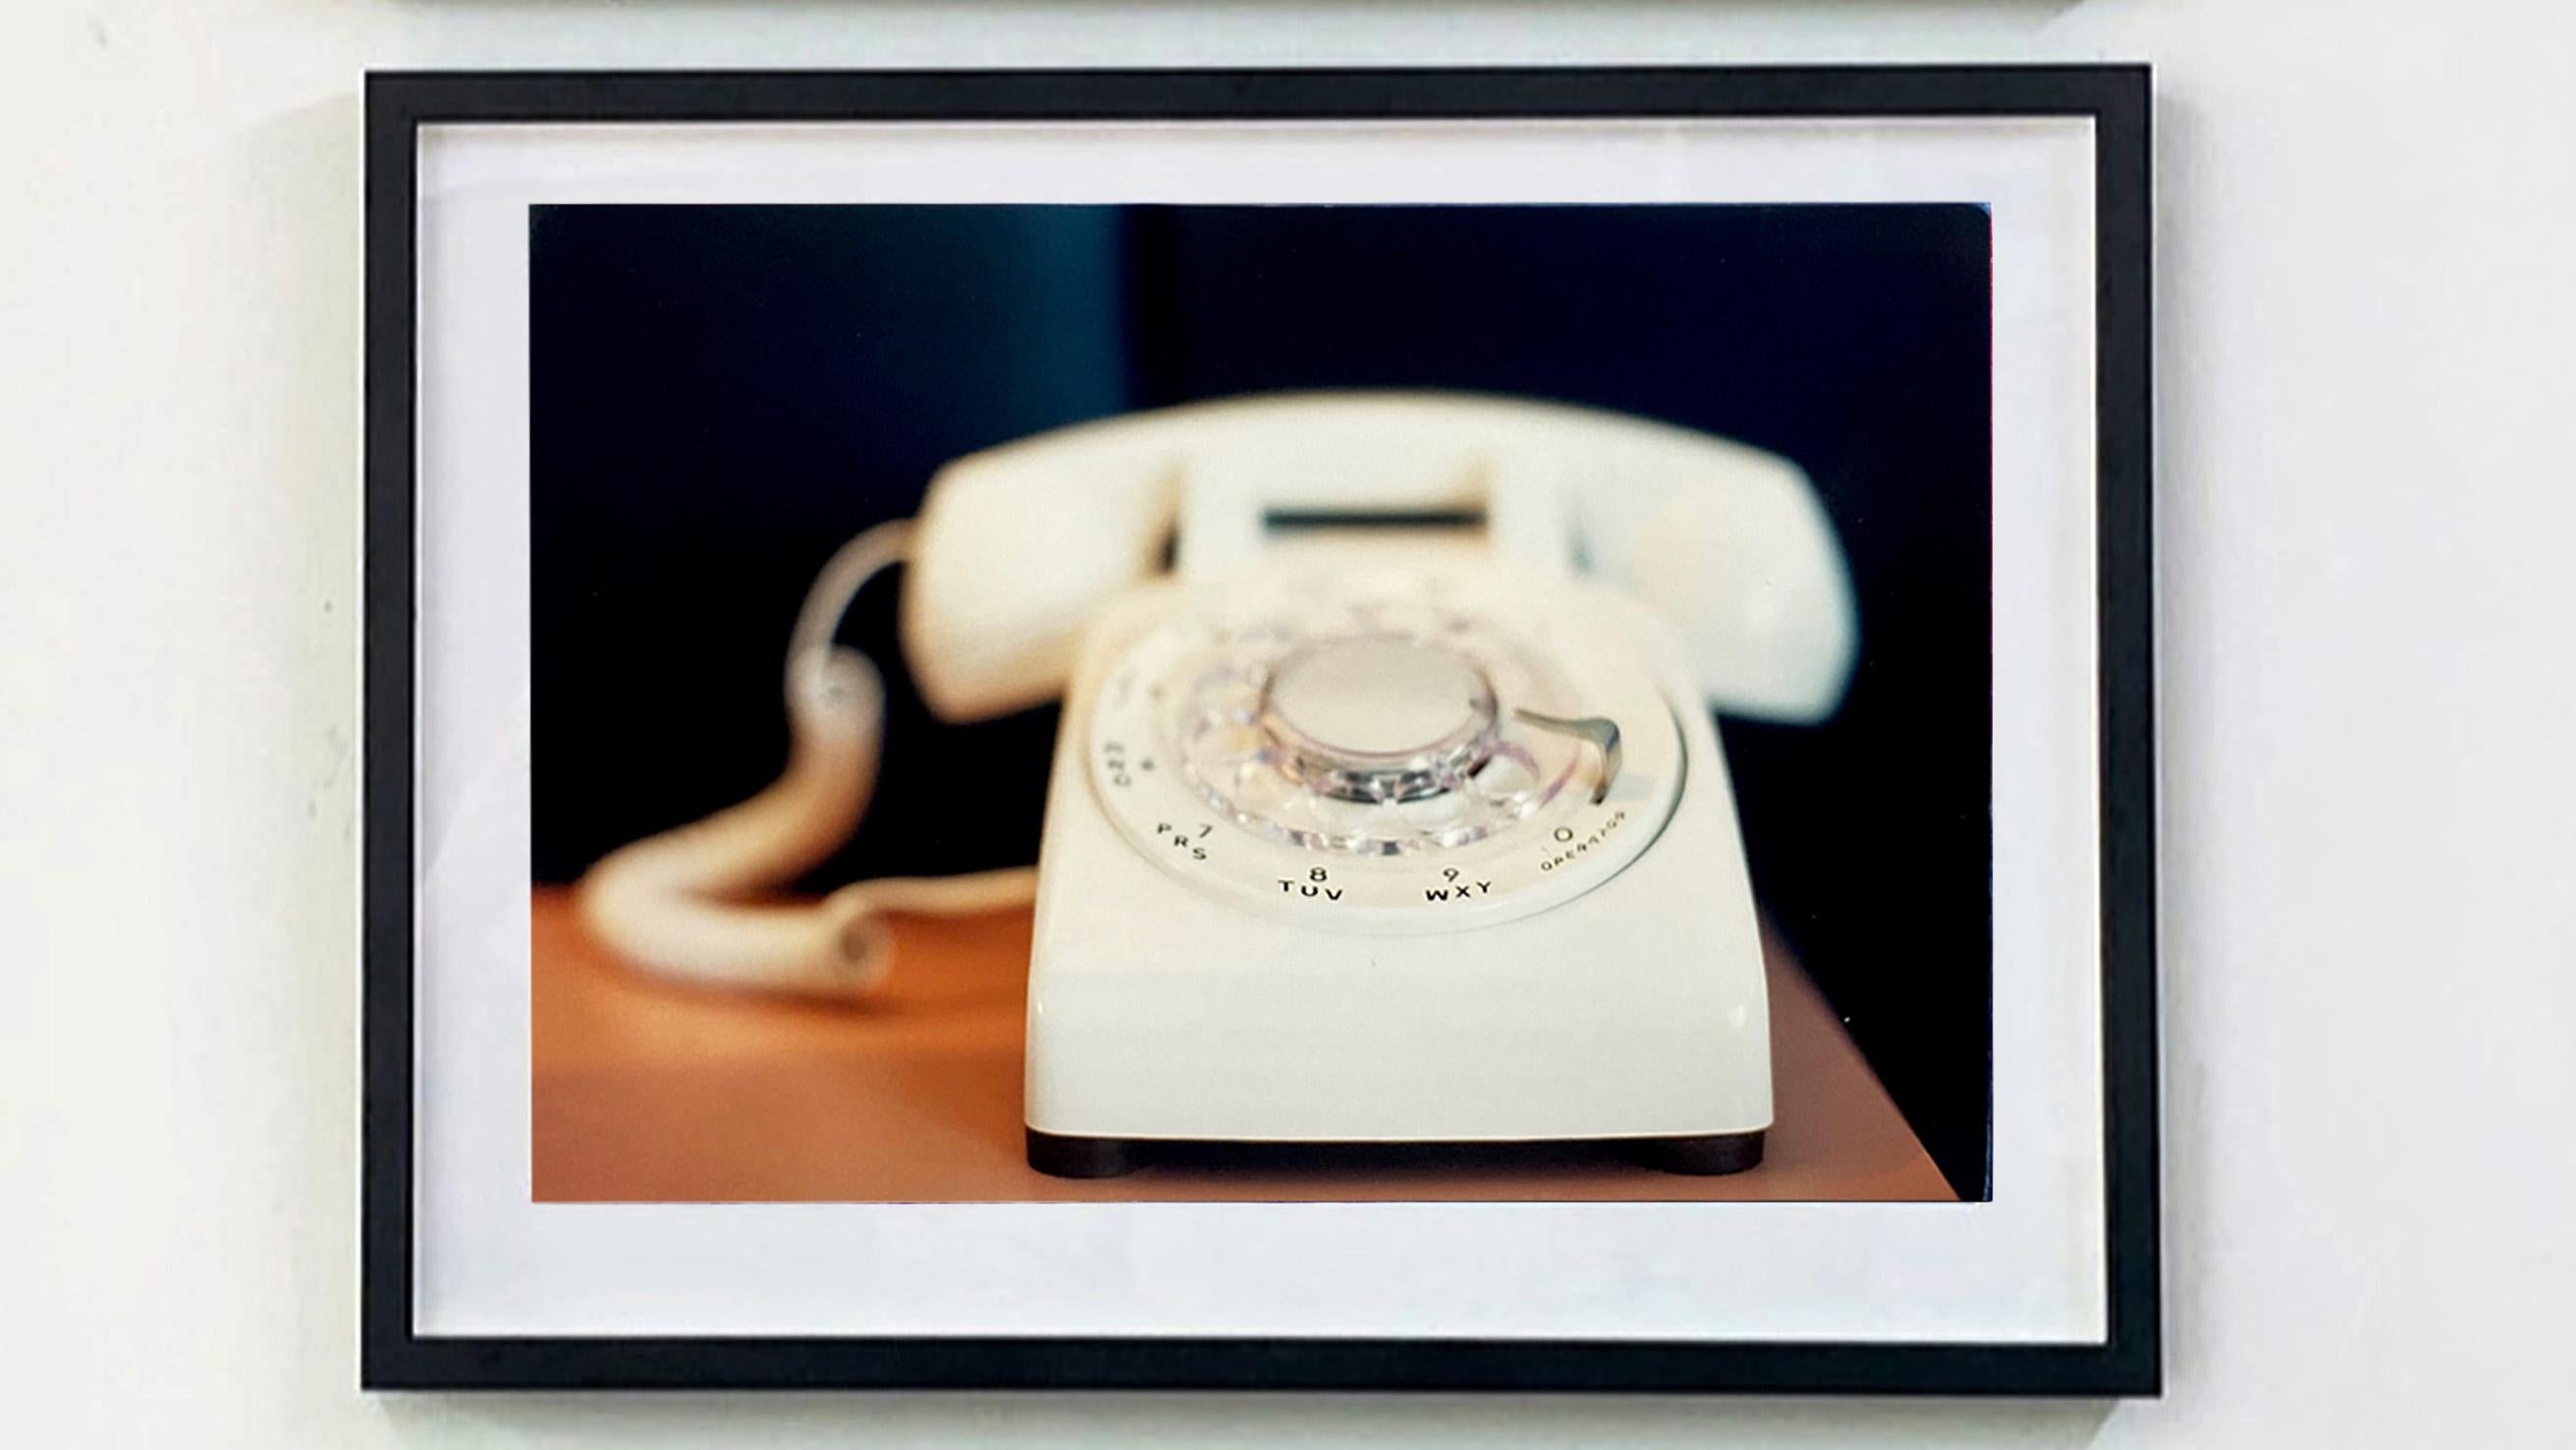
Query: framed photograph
(1302,729)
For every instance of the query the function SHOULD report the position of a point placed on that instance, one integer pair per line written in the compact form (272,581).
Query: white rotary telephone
(1386,807)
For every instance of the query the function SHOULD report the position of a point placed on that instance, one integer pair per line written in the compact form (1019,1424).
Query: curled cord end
(864,946)
(673,904)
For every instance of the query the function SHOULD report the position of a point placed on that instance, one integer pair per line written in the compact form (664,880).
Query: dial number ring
(1459,815)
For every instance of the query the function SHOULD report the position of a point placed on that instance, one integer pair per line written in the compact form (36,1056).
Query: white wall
(2368,664)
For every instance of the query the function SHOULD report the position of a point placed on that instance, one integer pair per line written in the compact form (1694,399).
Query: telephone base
(1060,1155)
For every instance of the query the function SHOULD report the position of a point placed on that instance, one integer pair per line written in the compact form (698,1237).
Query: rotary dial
(1371,731)
(1356,753)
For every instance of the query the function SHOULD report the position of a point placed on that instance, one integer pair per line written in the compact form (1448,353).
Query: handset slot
(1284,521)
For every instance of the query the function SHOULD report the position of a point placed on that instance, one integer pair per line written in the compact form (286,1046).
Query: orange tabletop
(649,1092)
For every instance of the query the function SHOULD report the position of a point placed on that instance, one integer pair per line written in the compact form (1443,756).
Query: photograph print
(1495,697)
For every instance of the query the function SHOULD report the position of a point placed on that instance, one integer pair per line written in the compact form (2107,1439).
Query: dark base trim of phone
(1062,1155)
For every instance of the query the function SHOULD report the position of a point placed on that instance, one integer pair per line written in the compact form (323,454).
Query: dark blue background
(722,395)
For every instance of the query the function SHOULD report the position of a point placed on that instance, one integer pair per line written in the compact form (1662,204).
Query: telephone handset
(1479,741)
(1018,546)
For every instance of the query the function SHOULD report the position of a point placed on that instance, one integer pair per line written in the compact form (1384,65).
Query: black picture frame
(2114,98)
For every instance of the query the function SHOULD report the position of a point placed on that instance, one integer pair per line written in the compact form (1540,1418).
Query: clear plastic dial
(1432,751)
(1370,730)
